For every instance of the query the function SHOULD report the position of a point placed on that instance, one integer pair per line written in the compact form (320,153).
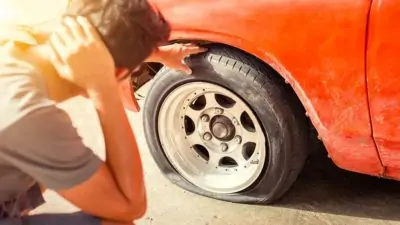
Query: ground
(323,194)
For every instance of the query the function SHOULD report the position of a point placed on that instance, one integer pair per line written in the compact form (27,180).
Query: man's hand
(173,55)
(79,55)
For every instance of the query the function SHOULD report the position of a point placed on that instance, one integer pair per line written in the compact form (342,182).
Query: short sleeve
(45,144)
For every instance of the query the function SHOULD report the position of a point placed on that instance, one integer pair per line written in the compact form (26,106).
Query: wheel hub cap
(222,128)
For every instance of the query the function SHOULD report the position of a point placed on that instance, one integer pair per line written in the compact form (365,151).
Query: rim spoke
(211,101)
(236,111)
(194,139)
(237,155)
(249,137)
(193,114)
(214,159)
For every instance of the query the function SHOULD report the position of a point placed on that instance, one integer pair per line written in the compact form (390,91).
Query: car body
(339,57)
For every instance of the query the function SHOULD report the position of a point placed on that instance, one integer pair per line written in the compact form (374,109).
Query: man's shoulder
(21,87)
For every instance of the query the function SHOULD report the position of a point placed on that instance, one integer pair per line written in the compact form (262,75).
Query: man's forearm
(122,155)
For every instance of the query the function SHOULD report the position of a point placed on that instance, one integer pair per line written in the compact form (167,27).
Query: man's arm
(74,48)
(45,144)
(116,191)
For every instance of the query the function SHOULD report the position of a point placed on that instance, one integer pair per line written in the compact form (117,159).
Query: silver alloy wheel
(211,137)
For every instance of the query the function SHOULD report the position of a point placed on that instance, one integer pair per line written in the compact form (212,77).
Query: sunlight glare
(30,12)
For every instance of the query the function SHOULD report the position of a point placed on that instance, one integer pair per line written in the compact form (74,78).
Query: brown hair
(131,29)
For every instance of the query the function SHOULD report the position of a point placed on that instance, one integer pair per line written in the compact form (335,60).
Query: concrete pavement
(323,194)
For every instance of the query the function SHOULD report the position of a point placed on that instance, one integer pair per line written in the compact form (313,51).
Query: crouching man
(48,61)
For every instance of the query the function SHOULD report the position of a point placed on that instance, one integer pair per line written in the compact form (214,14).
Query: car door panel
(383,72)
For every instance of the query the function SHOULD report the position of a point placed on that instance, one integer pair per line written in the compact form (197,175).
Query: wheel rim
(211,137)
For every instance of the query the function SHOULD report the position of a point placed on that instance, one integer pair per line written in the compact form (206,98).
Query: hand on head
(79,55)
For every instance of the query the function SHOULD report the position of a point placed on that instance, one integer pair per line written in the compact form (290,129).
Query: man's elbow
(135,210)
(139,209)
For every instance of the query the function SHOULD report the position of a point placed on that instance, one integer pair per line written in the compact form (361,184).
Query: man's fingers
(65,34)
(194,50)
(74,28)
(58,46)
(57,62)
(183,67)
(189,45)
(88,29)
(187,70)
(55,57)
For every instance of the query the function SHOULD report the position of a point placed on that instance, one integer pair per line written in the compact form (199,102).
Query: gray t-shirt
(38,142)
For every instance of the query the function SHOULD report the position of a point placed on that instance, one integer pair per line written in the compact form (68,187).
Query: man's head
(131,29)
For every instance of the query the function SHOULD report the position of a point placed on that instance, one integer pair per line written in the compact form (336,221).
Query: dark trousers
(78,218)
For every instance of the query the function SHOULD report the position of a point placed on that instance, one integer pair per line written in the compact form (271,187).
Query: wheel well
(315,143)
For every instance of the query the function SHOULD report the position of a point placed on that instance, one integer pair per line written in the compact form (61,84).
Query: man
(99,41)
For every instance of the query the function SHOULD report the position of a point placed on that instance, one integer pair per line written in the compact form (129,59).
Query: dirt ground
(323,194)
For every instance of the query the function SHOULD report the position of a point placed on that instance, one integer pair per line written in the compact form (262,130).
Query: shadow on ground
(323,187)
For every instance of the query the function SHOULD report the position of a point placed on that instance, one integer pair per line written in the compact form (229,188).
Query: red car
(239,128)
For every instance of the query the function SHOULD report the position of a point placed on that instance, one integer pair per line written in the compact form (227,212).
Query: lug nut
(238,139)
(235,121)
(224,147)
(205,118)
(219,111)
(207,136)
